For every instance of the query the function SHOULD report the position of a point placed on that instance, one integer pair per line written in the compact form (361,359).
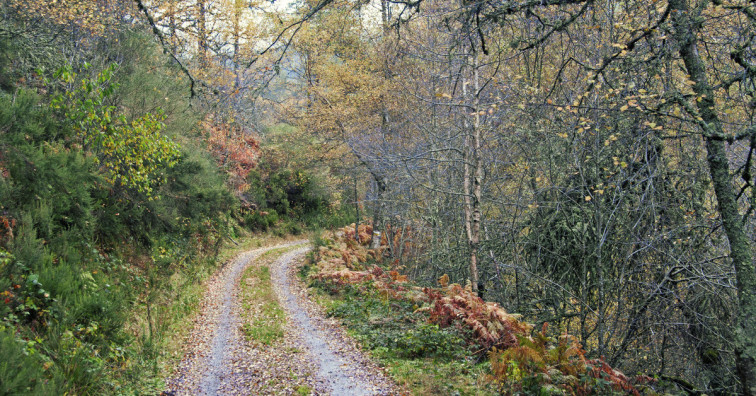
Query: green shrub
(66,283)
(318,239)
(294,193)
(261,220)
(392,328)
(22,372)
(289,227)
(83,299)
(46,179)
(82,253)
(428,340)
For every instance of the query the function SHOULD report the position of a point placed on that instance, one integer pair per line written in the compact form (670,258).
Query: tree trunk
(719,168)
(385,16)
(375,243)
(237,41)
(380,181)
(172,21)
(473,175)
(202,33)
(477,181)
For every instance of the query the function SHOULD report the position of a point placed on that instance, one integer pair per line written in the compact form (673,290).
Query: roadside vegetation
(117,200)
(420,356)
(588,165)
(445,339)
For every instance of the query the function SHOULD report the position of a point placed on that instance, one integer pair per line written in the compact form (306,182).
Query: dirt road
(315,356)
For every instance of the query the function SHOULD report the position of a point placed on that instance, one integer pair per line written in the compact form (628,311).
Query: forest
(580,171)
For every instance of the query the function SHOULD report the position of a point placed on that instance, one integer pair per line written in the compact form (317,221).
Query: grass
(264,318)
(421,358)
(439,376)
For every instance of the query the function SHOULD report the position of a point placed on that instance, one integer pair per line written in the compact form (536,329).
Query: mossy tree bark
(686,29)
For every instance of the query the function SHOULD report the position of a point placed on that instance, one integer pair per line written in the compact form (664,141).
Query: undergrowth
(445,339)
(113,211)
(422,357)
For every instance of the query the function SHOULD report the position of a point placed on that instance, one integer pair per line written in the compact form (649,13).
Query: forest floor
(257,332)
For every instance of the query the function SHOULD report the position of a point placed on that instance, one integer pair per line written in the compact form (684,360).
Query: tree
(687,29)
(573,156)
(575,136)
(712,84)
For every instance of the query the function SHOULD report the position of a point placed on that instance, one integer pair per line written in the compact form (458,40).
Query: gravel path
(315,356)
(339,362)
(215,334)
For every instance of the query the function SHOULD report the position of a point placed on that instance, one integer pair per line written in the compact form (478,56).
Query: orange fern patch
(620,382)
(491,324)
(7,224)
(346,276)
(364,233)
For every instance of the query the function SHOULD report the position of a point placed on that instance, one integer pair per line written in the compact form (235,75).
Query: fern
(490,324)
(522,361)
